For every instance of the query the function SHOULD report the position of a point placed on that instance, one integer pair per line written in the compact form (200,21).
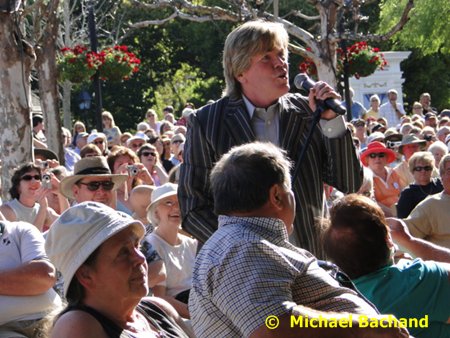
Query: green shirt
(411,289)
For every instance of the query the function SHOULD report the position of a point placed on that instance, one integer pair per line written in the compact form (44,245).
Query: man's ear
(275,196)
(240,78)
(75,189)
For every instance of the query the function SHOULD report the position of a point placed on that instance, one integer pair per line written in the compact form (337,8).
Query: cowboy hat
(95,166)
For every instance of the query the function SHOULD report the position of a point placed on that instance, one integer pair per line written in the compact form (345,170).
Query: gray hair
(242,178)
(438,145)
(246,41)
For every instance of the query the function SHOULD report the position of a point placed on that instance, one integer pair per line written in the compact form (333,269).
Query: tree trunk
(48,74)
(66,105)
(16,59)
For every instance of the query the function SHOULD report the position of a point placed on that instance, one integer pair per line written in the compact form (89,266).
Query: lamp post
(343,46)
(84,100)
(96,81)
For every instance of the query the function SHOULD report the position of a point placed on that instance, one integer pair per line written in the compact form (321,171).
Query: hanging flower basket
(117,63)
(77,64)
(363,60)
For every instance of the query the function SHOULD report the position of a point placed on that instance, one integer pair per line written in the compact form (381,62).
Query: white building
(381,81)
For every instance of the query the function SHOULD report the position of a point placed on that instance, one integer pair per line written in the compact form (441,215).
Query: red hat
(377,147)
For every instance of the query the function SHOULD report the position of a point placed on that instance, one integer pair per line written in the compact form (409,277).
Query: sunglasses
(30,177)
(375,155)
(94,186)
(177,141)
(98,142)
(145,154)
(426,168)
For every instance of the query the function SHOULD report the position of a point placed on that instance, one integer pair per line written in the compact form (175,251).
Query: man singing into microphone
(257,106)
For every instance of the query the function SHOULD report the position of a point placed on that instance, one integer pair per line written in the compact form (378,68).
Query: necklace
(429,190)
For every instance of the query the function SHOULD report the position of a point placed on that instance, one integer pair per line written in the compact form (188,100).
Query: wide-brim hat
(411,139)
(377,147)
(47,154)
(95,135)
(163,191)
(138,136)
(94,166)
(79,231)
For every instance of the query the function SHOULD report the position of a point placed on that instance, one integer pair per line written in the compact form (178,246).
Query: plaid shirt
(248,270)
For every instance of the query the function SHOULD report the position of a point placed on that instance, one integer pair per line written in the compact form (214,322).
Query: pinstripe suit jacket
(215,128)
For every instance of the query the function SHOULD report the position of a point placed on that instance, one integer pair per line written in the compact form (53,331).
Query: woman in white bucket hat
(97,250)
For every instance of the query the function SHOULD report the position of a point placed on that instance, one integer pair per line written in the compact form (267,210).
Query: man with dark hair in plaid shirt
(248,272)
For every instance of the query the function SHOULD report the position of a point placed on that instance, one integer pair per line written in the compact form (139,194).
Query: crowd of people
(208,225)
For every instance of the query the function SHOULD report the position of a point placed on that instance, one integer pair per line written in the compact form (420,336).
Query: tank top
(23,213)
(152,313)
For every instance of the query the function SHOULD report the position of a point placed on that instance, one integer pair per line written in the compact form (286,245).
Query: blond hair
(246,41)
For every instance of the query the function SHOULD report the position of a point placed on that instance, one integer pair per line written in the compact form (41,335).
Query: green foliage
(187,85)
(427,29)
(427,74)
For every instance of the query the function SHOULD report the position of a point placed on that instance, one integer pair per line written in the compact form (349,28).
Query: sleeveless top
(22,212)
(154,315)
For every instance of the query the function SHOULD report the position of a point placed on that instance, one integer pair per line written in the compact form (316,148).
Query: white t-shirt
(179,261)
(21,242)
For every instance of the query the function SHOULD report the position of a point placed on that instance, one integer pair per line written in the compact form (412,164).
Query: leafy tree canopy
(427,29)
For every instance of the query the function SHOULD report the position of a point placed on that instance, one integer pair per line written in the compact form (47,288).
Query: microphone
(302,81)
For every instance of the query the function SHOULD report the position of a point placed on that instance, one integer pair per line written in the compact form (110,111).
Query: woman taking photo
(105,277)
(29,202)
(148,155)
(122,160)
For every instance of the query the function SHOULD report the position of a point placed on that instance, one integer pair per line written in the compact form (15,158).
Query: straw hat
(377,147)
(79,231)
(95,166)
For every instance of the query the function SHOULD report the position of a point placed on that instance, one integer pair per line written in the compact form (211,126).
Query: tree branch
(299,14)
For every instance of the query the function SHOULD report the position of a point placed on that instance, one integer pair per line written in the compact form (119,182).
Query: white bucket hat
(163,191)
(79,231)
(95,135)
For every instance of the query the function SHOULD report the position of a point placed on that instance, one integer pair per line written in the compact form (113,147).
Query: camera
(43,165)
(133,170)
(46,181)
(428,138)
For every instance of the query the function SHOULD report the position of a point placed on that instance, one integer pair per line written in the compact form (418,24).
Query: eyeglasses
(169,204)
(94,186)
(136,145)
(375,155)
(426,168)
(30,177)
(145,154)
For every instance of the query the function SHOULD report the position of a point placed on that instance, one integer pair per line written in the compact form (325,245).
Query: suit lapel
(237,122)
(292,127)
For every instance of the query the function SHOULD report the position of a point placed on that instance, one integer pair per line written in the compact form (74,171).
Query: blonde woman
(110,129)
